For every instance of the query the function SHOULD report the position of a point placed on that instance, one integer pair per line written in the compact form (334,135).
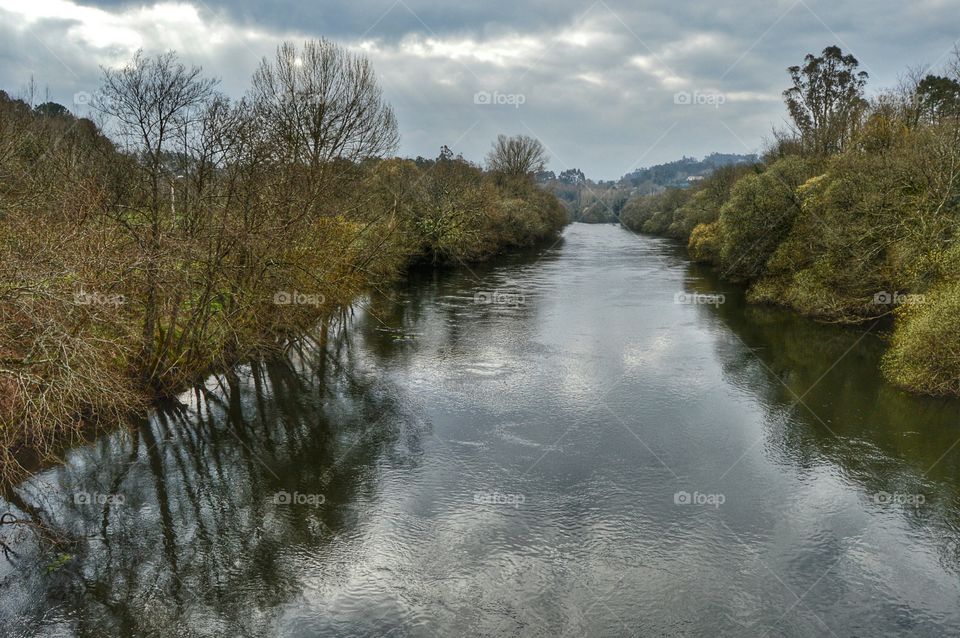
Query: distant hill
(675,174)
(600,201)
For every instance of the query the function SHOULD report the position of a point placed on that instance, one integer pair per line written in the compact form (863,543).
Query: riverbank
(852,221)
(138,259)
(97,383)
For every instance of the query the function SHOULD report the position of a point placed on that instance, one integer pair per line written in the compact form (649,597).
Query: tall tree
(826,100)
(938,97)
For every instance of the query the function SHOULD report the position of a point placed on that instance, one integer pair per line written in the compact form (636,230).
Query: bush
(879,218)
(924,354)
(758,216)
(654,214)
(704,243)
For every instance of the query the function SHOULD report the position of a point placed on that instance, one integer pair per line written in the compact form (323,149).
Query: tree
(826,100)
(50,109)
(519,155)
(572,176)
(938,97)
(320,103)
(153,104)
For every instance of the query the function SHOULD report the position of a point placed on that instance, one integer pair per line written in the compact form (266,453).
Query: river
(595,439)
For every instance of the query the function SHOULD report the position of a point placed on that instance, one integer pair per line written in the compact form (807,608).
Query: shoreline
(31,460)
(885,323)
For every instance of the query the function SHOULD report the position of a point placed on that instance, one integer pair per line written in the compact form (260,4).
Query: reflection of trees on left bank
(181,521)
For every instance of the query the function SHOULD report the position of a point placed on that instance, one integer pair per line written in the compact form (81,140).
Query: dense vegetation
(602,202)
(852,215)
(190,232)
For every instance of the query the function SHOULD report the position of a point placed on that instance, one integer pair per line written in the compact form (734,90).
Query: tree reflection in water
(175,527)
(828,405)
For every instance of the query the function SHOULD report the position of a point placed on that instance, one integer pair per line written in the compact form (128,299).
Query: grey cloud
(598,81)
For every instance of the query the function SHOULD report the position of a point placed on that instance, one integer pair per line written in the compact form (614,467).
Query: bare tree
(152,104)
(320,103)
(517,155)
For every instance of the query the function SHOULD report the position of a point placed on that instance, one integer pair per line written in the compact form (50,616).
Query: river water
(553,444)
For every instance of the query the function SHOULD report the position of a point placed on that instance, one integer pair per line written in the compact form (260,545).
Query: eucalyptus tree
(826,100)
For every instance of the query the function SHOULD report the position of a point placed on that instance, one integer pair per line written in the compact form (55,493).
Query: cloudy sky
(608,86)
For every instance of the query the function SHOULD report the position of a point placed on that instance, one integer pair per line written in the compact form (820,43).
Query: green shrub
(704,243)
(654,214)
(924,355)
(758,216)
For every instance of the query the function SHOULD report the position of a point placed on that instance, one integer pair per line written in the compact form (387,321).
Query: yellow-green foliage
(654,214)
(924,355)
(878,220)
(758,215)
(675,212)
(704,243)
(838,237)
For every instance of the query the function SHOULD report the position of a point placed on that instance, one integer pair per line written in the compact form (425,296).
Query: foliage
(654,214)
(938,98)
(704,243)
(758,216)
(826,100)
(924,355)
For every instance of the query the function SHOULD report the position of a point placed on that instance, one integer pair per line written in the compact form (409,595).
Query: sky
(607,86)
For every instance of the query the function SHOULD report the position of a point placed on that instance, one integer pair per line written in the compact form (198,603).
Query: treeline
(188,232)
(851,215)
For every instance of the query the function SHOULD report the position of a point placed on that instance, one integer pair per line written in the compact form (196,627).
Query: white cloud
(111,37)
(510,51)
